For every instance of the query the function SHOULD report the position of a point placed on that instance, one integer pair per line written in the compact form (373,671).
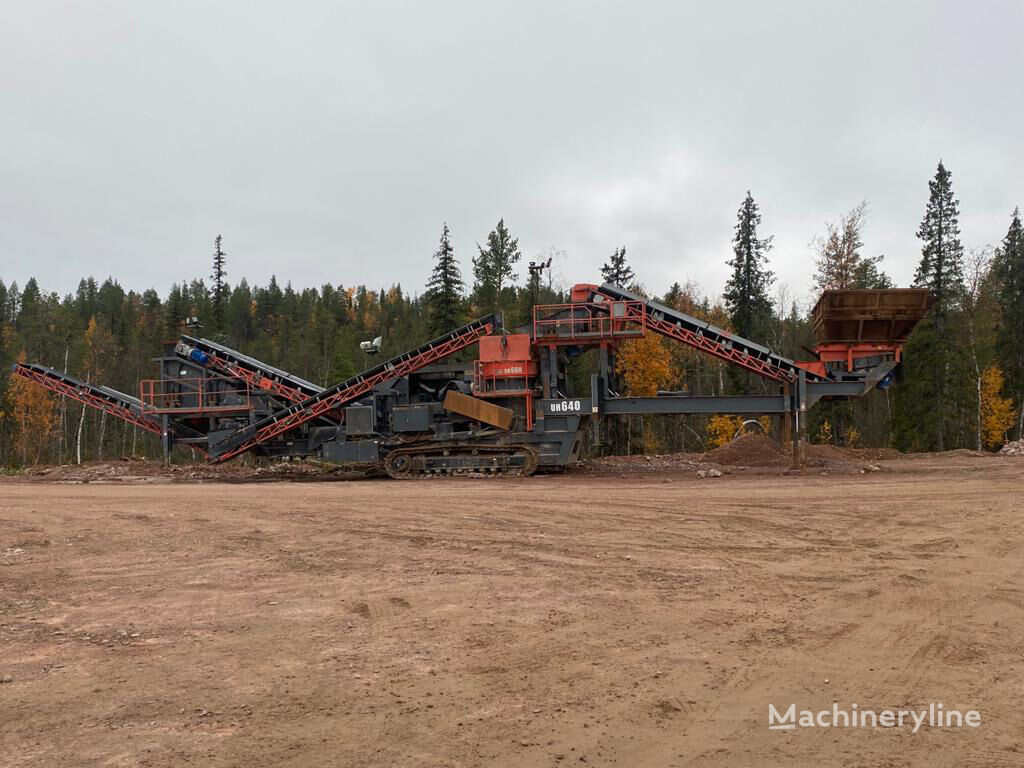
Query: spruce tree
(869,275)
(925,405)
(13,298)
(941,269)
(1009,272)
(941,272)
(494,269)
(175,310)
(220,288)
(617,271)
(673,295)
(746,291)
(444,289)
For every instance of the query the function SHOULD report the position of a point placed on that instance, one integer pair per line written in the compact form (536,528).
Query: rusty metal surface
(886,315)
(481,410)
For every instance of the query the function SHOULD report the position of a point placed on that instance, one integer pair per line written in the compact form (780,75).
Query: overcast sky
(328,141)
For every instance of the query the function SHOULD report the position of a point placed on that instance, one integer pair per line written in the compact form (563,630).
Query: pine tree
(220,288)
(444,289)
(617,271)
(1009,272)
(746,291)
(494,269)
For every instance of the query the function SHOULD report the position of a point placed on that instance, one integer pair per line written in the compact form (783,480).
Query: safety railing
(588,322)
(209,394)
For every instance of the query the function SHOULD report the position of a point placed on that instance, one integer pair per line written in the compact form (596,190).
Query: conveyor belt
(107,400)
(351,389)
(102,398)
(256,373)
(710,339)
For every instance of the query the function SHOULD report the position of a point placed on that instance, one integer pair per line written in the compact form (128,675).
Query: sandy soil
(553,621)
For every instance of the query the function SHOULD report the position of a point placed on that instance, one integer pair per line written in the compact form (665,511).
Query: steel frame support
(597,387)
(166,440)
(786,419)
(796,403)
(545,374)
(552,369)
(684,404)
(800,422)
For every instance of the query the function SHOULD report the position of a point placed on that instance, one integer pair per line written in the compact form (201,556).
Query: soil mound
(826,455)
(749,450)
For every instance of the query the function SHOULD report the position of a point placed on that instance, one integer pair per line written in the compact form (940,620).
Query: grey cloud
(327,141)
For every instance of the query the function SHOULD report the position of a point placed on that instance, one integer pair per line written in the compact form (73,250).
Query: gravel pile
(749,450)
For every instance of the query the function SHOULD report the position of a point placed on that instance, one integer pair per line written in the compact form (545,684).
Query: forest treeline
(962,383)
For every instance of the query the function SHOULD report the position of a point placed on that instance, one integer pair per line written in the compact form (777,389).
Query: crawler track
(419,461)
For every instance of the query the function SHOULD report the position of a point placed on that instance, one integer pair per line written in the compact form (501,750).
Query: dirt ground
(597,619)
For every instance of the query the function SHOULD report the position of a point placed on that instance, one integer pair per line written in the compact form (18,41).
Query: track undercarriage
(458,459)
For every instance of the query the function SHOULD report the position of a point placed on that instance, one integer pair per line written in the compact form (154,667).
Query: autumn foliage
(34,414)
(644,365)
(997,412)
(722,429)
